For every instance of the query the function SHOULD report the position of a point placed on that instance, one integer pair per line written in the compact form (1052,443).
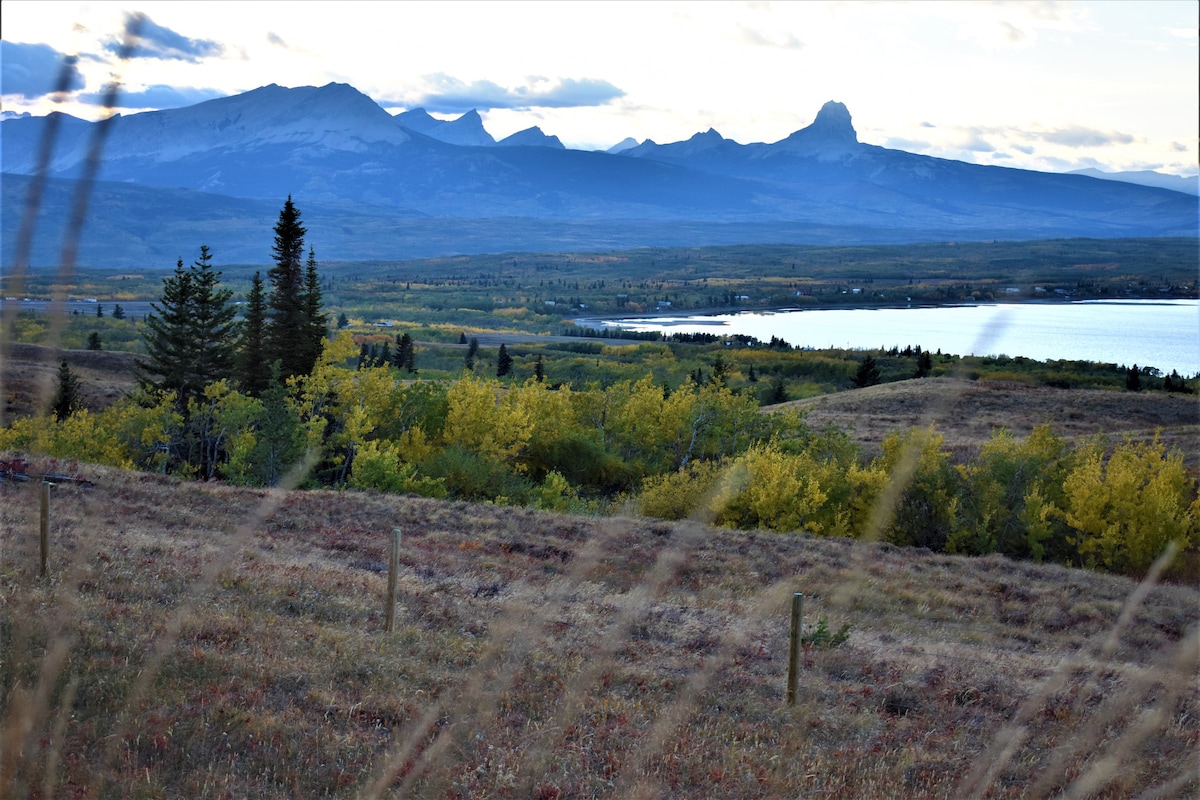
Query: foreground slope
(202,640)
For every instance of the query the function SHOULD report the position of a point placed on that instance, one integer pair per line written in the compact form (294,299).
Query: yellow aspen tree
(478,419)
(1127,510)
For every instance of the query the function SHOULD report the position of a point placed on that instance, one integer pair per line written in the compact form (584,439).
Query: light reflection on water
(1163,334)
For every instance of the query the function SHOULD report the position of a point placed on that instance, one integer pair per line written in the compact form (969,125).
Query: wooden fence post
(794,647)
(393,577)
(44,528)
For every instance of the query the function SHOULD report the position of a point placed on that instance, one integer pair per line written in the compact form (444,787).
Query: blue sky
(1042,85)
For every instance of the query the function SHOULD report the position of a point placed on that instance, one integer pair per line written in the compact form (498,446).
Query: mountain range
(376,186)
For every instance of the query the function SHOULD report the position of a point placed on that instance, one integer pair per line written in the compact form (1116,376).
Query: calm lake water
(1163,334)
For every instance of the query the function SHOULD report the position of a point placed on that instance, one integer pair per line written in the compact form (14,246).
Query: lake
(1157,333)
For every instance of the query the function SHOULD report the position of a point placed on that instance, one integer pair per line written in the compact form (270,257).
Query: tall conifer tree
(504,362)
(254,373)
(190,338)
(66,397)
(288,333)
(167,365)
(405,356)
(213,321)
(316,321)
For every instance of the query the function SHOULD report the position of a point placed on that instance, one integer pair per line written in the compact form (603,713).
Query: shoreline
(714,311)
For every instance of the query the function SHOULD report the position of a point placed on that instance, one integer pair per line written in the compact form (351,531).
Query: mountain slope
(335,147)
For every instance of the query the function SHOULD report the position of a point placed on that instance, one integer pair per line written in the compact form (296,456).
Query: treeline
(701,450)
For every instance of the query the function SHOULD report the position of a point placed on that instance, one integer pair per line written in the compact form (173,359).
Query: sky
(1051,86)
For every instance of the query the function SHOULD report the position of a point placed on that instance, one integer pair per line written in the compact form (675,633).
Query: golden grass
(200,640)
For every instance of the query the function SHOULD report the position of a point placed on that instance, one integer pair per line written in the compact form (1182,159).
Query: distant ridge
(1175,183)
(531,137)
(333,147)
(466,130)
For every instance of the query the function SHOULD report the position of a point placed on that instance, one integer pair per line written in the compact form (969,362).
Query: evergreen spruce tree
(472,351)
(66,397)
(776,393)
(316,321)
(190,339)
(288,334)
(539,370)
(253,371)
(342,320)
(868,373)
(93,341)
(168,362)
(504,362)
(118,312)
(924,365)
(405,357)
(213,322)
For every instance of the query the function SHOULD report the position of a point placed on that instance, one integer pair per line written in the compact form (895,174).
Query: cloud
(1012,33)
(783,40)
(977,144)
(448,94)
(30,70)
(1183,33)
(1077,136)
(157,96)
(159,42)
(277,40)
(908,145)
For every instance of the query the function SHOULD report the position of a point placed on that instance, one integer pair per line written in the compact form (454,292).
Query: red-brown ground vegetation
(197,640)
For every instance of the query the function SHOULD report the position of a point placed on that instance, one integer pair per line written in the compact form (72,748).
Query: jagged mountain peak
(831,133)
(834,118)
(532,137)
(623,145)
(466,130)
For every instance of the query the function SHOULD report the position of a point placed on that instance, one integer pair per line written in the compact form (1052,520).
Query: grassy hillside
(197,640)
(967,412)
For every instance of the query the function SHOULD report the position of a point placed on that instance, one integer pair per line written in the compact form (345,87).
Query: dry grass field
(28,374)
(197,640)
(967,412)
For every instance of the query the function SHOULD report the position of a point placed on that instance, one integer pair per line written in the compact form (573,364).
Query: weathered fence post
(794,647)
(393,577)
(44,528)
